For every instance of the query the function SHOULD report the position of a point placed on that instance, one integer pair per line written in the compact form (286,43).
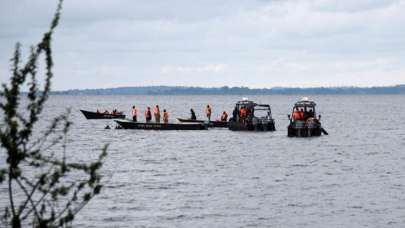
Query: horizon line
(245,87)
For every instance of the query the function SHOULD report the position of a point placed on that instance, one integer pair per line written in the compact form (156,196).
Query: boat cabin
(252,109)
(304,122)
(250,116)
(305,108)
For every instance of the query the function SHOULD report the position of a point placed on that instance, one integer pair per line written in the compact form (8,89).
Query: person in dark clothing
(148,115)
(235,114)
(310,113)
(193,116)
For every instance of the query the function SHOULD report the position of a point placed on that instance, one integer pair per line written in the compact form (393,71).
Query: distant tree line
(180,90)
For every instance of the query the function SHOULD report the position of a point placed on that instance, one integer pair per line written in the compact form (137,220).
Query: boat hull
(219,124)
(238,126)
(127,124)
(94,115)
(302,129)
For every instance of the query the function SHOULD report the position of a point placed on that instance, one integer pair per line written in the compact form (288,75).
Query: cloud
(351,6)
(256,43)
(211,68)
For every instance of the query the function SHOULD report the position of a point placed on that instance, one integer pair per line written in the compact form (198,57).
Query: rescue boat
(303,121)
(255,117)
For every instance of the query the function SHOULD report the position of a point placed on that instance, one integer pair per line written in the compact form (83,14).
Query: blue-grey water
(354,177)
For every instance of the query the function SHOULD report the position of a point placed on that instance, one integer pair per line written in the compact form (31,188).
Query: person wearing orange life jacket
(134,113)
(302,114)
(156,113)
(224,116)
(165,116)
(208,112)
(298,114)
(148,115)
(243,113)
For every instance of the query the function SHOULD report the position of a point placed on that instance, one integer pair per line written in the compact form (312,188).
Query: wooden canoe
(96,115)
(128,124)
(213,123)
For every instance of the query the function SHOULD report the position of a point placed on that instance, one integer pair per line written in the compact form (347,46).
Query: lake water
(354,177)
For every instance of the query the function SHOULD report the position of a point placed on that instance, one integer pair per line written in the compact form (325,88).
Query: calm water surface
(355,177)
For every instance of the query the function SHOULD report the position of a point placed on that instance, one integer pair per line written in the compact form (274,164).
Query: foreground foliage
(43,188)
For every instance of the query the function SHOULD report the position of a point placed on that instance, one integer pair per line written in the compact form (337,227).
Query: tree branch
(29,197)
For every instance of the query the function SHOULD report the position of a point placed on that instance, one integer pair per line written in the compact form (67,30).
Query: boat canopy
(245,102)
(305,103)
(307,106)
(253,106)
(250,104)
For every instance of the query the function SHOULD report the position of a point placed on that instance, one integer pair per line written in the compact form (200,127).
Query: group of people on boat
(301,114)
(113,112)
(208,113)
(241,114)
(148,114)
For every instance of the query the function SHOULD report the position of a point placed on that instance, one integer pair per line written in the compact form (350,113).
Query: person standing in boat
(165,116)
(134,113)
(235,114)
(298,114)
(208,112)
(243,114)
(302,114)
(156,113)
(193,116)
(309,114)
(249,113)
(148,115)
(224,116)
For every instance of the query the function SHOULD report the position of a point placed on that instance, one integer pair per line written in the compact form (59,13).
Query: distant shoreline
(180,90)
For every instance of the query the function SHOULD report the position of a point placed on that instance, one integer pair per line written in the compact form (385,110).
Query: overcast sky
(255,43)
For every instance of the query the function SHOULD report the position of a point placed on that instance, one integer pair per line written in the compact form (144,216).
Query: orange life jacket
(301,113)
(243,112)
(296,115)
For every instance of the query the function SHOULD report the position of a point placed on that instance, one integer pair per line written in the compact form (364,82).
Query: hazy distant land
(180,90)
